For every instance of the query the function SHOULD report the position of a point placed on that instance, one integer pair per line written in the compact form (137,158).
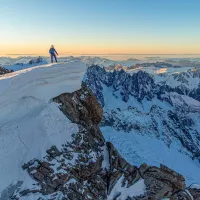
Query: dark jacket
(52,51)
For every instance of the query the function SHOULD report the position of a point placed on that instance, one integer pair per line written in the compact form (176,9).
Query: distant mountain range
(108,63)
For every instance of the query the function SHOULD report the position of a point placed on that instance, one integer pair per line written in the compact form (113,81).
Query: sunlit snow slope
(29,121)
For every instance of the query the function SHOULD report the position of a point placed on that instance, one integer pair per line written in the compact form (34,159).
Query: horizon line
(109,54)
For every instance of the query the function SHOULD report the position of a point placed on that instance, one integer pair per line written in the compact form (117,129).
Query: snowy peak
(195,72)
(139,84)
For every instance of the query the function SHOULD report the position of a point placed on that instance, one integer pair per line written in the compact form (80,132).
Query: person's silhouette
(53,53)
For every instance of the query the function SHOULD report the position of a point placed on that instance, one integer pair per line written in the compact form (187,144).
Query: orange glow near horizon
(99,27)
(39,49)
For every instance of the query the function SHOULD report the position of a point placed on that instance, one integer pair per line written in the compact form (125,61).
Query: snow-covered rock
(21,63)
(138,108)
(4,71)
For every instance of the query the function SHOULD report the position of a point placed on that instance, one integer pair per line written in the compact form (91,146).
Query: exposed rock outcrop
(4,70)
(190,193)
(36,60)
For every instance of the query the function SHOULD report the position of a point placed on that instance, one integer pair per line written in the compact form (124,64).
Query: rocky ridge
(89,168)
(142,84)
(4,70)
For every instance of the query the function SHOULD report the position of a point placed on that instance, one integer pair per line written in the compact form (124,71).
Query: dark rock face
(88,168)
(36,60)
(190,193)
(4,71)
(160,182)
(195,192)
(139,85)
(81,108)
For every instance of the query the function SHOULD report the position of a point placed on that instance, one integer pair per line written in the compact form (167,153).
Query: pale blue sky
(100,26)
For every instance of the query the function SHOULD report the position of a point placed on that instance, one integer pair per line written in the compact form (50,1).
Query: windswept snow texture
(30,123)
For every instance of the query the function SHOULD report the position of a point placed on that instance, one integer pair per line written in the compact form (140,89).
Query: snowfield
(29,122)
(137,149)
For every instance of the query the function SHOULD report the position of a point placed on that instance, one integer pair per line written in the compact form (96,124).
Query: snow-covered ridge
(39,83)
(29,122)
(28,61)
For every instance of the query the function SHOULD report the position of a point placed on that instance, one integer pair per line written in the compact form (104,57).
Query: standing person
(53,53)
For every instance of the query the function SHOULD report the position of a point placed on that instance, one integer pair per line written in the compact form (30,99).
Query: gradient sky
(100,26)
